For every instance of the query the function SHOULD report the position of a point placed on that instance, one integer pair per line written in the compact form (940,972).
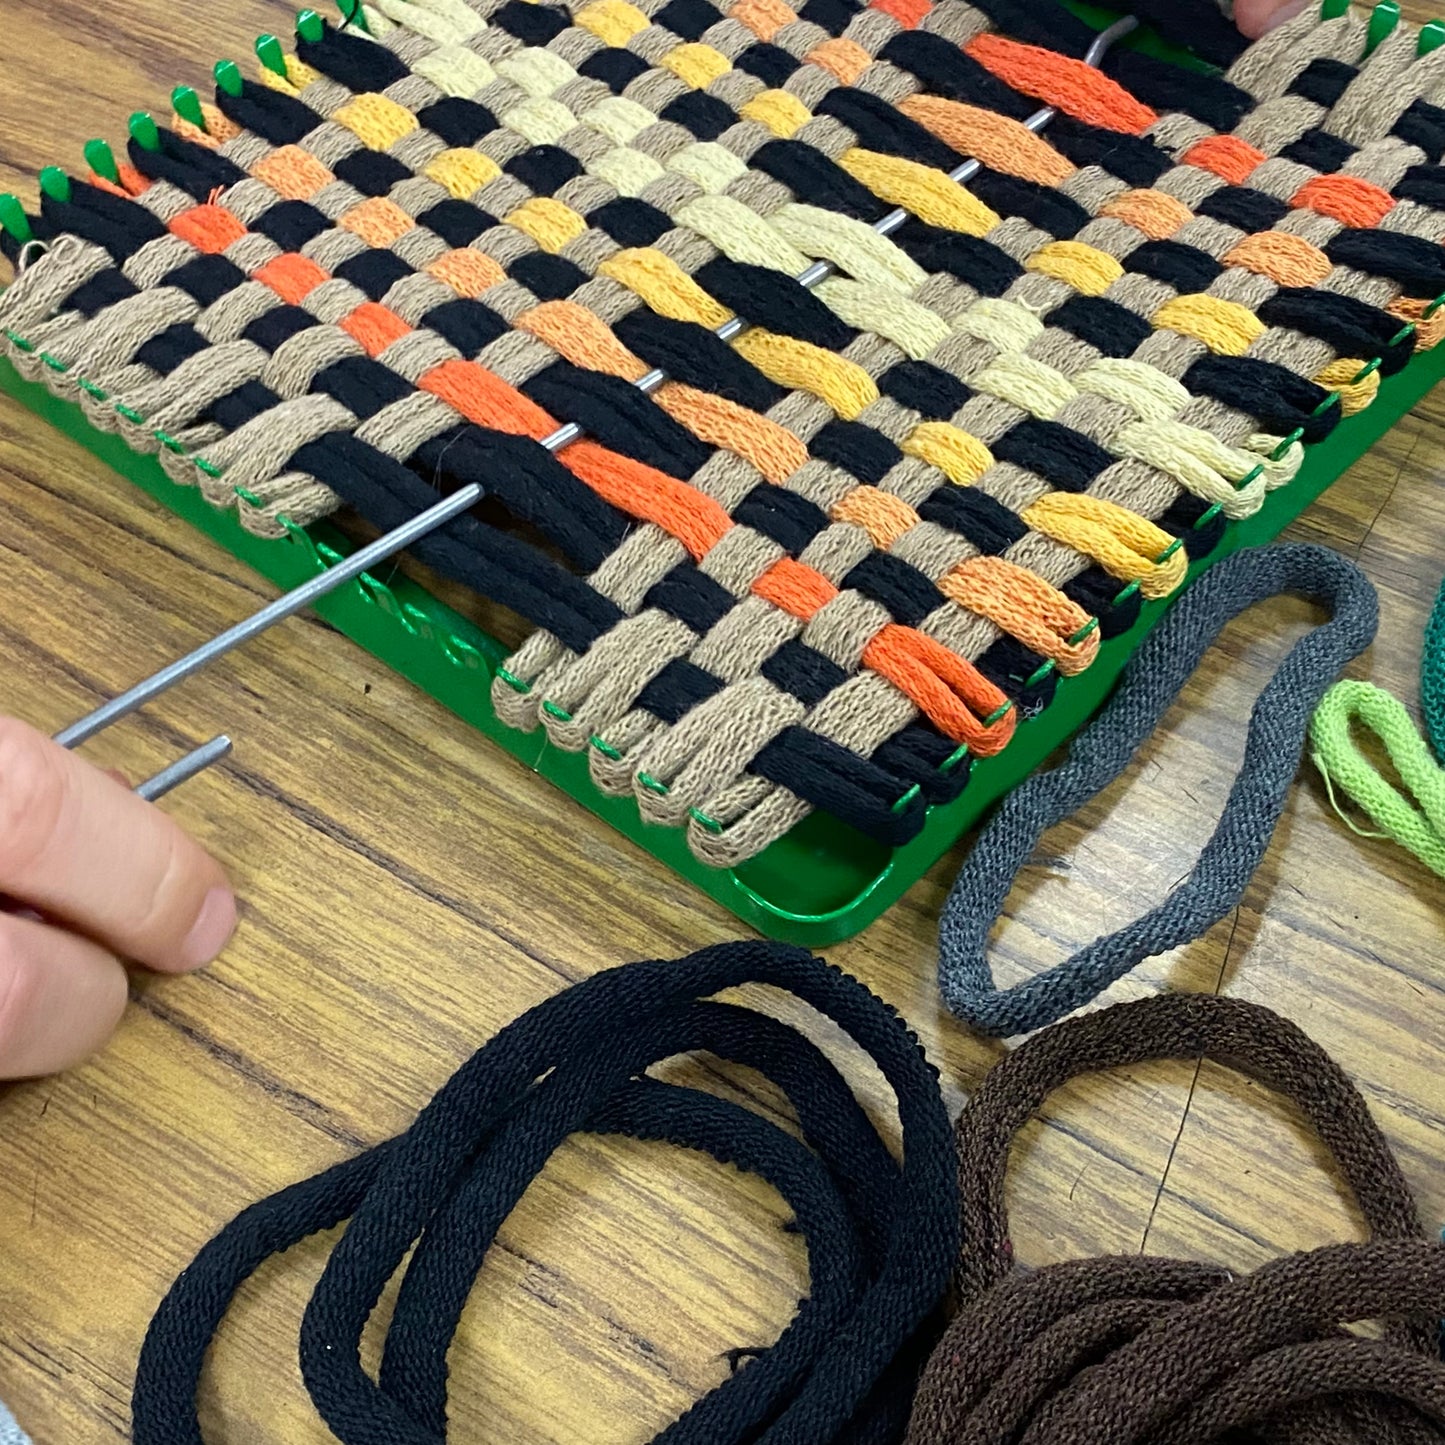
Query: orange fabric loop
(1023,605)
(469,273)
(1429,330)
(581,337)
(844,60)
(883,516)
(291,276)
(375,326)
(720,422)
(1285,259)
(1158,216)
(1062,82)
(1227,156)
(293,173)
(1346,199)
(795,587)
(910,14)
(483,397)
(1000,142)
(585,340)
(763,17)
(208,228)
(696,520)
(950,691)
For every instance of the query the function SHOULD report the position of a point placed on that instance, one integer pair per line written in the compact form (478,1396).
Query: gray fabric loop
(1153,679)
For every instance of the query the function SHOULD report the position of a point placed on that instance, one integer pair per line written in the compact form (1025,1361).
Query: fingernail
(212,930)
(1280,17)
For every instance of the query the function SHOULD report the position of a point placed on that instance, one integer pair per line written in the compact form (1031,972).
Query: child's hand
(1258,17)
(91,874)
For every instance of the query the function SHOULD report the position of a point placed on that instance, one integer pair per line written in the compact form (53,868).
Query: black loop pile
(881,1236)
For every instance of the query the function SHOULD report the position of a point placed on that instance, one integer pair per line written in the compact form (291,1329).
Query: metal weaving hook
(460,501)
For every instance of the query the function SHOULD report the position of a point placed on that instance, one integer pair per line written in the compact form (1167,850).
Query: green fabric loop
(1416,822)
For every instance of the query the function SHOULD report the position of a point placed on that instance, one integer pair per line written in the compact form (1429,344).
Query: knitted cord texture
(881,1235)
(1152,681)
(1415,815)
(1128,1350)
(838,556)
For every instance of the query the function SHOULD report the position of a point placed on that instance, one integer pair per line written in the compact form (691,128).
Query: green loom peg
(187,104)
(14,219)
(310,26)
(1333,9)
(55,183)
(228,77)
(1383,20)
(270,54)
(352,14)
(144,131)
(1432,36)
(101,159)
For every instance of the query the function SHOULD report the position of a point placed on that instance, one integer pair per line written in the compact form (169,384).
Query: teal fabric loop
(1432,676)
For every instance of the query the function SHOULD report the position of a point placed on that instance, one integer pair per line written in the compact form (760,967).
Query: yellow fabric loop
(912,328)
(299,73)
(445,21)
(709,166)
(272,81)
(463,173)
(696,65)
(852,246)
(959,455)
(1027,384)
(627,171)
(1085,268)
(1276,472)
(538,73)
(1125,544)
(543,122)
(377,121)
(1225,327)
(779,110)
(741,234)
(619,119)
(1201,463)
(548,222)
(1148,393)
(843,384)
(1340,376)
(456,71)
(613,22)
(664,286)
(921,191)
(1004,324)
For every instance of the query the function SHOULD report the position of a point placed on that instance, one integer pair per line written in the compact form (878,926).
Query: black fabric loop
(882,1236)
(193,168)
(1098,755)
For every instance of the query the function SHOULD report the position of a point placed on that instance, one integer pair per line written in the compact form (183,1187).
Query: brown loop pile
(1140,1351)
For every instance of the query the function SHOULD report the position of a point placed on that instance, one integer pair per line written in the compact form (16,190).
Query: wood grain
(409,888)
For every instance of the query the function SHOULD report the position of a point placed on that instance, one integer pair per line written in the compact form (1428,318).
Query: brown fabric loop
(1141,1351)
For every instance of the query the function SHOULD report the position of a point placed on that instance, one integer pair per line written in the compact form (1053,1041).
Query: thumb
(1259,17)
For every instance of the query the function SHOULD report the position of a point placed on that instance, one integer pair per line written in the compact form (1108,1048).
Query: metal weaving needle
(184,769)
(462,500)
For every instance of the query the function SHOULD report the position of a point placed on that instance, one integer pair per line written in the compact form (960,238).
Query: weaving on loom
(838,512)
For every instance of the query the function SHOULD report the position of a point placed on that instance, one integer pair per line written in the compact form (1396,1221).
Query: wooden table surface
(408,888)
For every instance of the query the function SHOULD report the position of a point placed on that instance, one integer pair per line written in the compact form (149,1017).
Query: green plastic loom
(823,882)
